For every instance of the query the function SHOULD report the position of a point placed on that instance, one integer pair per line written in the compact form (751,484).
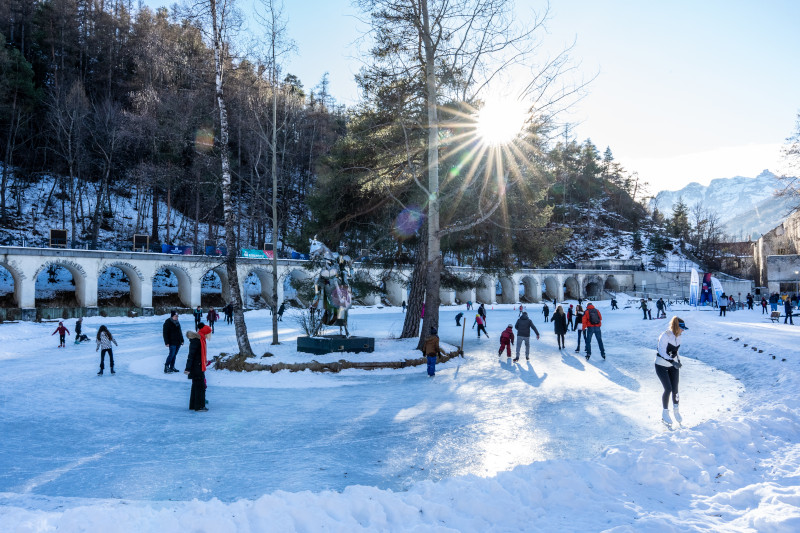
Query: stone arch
(366,298)
(509,290)
(572,289)
(290,292)
(552,288)
(611,284)
(79,278)
(263,289)
(16,290)
(210,298)
(486,291)
(184,282)
(532,289)
(593,288)
(395,289)
(135,279)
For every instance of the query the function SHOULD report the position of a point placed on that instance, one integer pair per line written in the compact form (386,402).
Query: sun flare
(501,120)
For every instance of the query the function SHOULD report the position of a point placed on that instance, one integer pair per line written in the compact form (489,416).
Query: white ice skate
(677,415)
(666,419)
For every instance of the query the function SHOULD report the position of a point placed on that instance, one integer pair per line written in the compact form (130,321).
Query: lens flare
(501,120)
(204,140)
(407,223)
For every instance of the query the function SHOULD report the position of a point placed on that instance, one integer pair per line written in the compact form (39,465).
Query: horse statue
(332,294)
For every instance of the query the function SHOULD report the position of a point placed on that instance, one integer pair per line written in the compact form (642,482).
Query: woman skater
(196,367)
(668,368)
(560,326)
(104,340)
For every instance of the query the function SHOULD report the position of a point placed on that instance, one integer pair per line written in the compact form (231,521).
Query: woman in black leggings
(668,367)
(104,340)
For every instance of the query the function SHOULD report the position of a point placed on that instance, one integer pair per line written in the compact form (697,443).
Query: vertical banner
(705,290)
(717,288)
(694,288)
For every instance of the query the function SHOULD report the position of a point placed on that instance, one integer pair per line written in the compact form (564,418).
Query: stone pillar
(88,288)
(510,290)
(466,296)
(486,292)
(25,291)
(144,298)
(395,292)
(447,296)
(372,299)
(190,293)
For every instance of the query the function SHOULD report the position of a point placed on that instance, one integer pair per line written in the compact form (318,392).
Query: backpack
(594,316)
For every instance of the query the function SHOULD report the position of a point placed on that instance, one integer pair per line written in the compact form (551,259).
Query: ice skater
(78,329)
(62,332)
(481,325)
(459,316)
(212,317)
(104,340)
(281,309)
(668,366)
(506,341)
(560,326)
(431,350)
(592,321)
(524,326)
(545,312)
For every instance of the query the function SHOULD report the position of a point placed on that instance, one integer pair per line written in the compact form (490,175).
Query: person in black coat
(787,308)
(173,339)
(194,369)
(560,326)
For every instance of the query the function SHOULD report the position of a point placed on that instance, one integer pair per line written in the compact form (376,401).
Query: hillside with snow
(746,206)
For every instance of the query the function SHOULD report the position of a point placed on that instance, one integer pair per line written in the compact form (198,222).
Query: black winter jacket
(193,363)
(173,335)
(560,324)
(524,325)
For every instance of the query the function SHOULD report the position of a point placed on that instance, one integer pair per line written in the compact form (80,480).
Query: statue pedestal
(335,343)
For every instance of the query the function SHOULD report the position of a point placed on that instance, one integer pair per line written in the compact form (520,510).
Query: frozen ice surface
(589,431)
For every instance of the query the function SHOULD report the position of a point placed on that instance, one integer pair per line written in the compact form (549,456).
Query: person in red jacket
(592,320)
(61,330)
(506,340)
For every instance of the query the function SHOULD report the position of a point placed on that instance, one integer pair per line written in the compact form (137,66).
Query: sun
(500,120)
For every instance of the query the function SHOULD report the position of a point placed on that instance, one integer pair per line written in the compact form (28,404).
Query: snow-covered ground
(560,444)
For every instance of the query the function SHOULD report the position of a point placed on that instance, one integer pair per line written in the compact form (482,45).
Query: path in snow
(67,432)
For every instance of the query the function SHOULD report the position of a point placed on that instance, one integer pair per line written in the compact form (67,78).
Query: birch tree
(221,12)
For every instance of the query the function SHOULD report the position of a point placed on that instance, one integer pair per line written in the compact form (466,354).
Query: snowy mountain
(746,206)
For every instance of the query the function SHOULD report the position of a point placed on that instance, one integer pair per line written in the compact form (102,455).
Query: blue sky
(686,91)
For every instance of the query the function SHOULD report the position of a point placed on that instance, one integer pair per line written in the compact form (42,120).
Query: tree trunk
(154,236)
(434,258)
(230,222)
(274,147)
(418,286)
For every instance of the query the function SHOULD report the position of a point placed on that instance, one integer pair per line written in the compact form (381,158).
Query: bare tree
(277,45)
(67,114)
(455,49)
(221,15)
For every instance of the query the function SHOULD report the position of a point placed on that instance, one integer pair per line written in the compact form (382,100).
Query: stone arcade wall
(25,264)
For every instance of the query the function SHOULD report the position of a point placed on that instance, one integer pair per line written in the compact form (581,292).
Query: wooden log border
(236,363)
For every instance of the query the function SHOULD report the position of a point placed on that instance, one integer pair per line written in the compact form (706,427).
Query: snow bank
(737,471)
